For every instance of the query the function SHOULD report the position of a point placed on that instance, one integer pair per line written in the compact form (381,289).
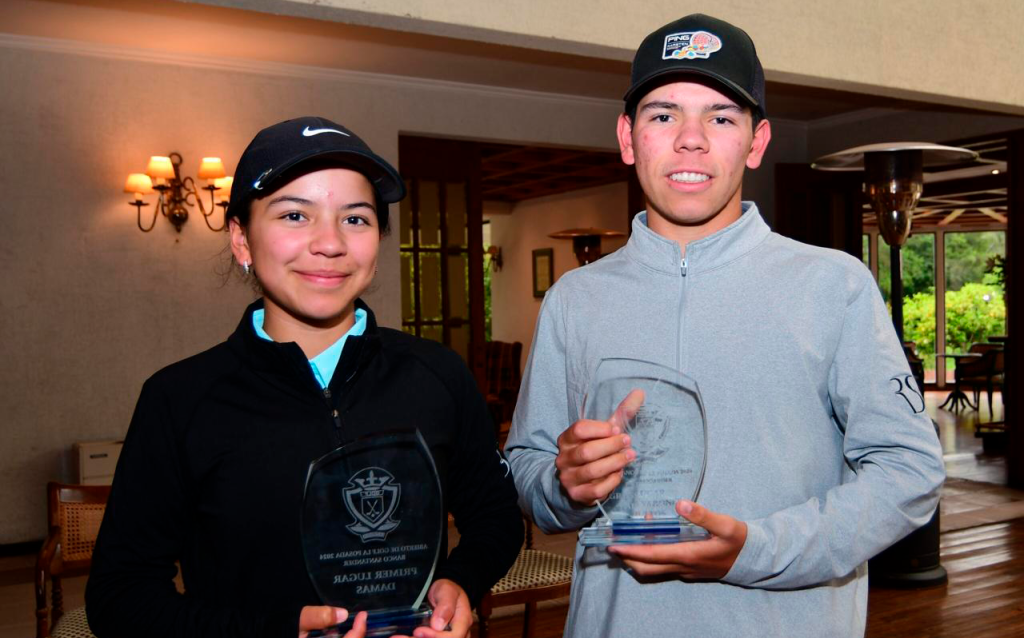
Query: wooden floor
(983,599)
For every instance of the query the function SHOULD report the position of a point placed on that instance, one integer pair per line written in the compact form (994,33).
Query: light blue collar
(323,364)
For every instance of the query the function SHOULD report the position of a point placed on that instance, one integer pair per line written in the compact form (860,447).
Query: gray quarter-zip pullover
(817,436)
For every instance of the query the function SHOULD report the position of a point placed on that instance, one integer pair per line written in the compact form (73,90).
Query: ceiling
(511,173)
(189,29)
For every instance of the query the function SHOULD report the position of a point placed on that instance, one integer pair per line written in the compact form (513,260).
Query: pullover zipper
(334,414)
(682,297)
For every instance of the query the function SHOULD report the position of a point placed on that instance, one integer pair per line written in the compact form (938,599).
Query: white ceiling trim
(261,67)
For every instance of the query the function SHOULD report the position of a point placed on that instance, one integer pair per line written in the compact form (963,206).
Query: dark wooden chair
(75,514)
(502,379)
(534,577)
(983,373)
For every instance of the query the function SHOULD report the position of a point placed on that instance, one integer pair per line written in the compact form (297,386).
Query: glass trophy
(669,435)
(372,522)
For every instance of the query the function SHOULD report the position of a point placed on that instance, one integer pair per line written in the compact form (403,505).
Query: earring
(245,267)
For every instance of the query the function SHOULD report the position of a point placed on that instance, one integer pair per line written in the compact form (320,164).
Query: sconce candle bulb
(160,167)
(140,184)
(223,185)
(211,168)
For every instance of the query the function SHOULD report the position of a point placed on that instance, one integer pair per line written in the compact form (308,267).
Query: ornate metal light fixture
(176,193)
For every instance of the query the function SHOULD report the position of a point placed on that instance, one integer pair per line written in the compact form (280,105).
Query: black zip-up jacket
(215,461)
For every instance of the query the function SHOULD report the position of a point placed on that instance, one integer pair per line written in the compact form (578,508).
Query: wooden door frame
(447,160)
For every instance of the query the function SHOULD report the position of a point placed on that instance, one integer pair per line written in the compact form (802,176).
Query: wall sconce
(495,253)
(164,176)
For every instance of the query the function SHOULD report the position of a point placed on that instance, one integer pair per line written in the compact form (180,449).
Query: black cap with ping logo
(702,45)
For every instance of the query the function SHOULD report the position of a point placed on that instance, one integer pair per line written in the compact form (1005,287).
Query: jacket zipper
(682,297)
(334,414)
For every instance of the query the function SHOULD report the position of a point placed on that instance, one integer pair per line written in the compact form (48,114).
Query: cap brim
(642,87)
(385,180)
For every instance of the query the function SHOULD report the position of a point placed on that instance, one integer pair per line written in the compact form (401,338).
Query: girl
(215,460)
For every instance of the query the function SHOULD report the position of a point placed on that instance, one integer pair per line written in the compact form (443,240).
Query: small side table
(957,400)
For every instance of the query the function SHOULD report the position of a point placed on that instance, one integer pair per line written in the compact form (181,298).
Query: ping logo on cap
(690,45)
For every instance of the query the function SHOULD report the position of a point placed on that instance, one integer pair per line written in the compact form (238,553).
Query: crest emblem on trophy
(648,429)
(391,493)
(371,498)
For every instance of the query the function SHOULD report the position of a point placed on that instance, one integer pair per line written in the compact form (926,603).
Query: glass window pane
(429,216)
(409,329)
(458,287)
(975,291)
(455,213)
(460,341)
(918,296)
(918,265)
(408,303)
(405,219)
(865,251)
(430,287)
(432,332)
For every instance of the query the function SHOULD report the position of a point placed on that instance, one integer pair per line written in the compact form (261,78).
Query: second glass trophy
(669,434)
(372,521)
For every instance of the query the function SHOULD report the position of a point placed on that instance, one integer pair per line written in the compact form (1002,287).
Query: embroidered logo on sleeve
(690,45)
(906,387)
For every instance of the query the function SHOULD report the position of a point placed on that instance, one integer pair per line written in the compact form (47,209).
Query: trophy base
(641,531)
(381,622)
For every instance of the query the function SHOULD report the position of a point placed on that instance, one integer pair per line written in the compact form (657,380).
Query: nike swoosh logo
(310,132)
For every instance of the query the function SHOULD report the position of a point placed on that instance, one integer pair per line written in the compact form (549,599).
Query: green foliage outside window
(918,265)
(975,288)
(973,313)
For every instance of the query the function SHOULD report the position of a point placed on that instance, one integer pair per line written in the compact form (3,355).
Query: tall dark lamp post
(893,182)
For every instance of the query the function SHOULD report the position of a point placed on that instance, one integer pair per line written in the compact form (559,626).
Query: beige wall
(513,306)
(948,51)
(90,306)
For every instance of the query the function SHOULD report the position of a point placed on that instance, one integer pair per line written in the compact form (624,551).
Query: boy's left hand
(709,559)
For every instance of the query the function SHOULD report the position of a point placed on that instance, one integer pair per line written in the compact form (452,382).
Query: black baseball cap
(702,45)
(286,145)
